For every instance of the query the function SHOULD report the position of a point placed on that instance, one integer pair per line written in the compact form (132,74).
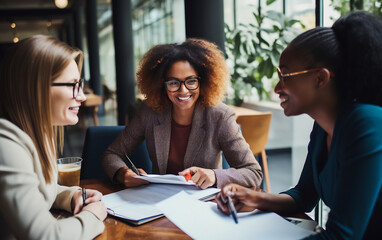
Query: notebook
(138,205)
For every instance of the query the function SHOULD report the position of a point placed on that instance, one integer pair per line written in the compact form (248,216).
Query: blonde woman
(183,120)
(40,92)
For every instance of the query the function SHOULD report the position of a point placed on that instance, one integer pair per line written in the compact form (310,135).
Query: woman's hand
(97,208)
(77,200)
(202,177)
(244,199)
(93,203)
(125,176)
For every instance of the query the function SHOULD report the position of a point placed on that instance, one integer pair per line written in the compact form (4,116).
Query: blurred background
(114,35)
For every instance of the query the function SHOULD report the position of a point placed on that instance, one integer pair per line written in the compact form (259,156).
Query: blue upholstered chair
(225,163)
(97,139)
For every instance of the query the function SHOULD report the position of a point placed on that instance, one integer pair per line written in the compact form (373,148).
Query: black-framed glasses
(77,86)
(173,85)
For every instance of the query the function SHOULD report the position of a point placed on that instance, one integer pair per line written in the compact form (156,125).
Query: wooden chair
(255,129)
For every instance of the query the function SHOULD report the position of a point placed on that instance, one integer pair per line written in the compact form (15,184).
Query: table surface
(161,228)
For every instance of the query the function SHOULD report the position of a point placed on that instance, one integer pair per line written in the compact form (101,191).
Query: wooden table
(161,228)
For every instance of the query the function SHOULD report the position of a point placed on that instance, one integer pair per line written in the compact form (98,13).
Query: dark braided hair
(352,50)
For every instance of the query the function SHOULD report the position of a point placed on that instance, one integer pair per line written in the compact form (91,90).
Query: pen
(232,209)
(83,196)
(133,166)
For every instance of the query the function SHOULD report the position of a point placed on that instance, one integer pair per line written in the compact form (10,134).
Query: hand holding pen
(82,198)
(126,176)
(225,204)
(132,165)
(244,199)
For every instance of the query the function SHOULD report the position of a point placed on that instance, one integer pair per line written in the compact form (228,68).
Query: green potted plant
(346,6)
(253,51)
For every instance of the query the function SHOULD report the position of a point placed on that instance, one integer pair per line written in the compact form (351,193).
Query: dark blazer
(214,130)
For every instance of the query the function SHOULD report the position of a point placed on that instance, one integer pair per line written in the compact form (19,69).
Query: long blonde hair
(27,72)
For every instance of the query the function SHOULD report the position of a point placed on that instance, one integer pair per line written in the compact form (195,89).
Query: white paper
(304,223)
(202,220)
(139,203)
(166,178)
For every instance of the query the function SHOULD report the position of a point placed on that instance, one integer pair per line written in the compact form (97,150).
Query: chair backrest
(224,162)
(97,139)
(255,129)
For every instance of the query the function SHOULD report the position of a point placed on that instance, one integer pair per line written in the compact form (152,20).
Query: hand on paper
(244,199)
(126,177)
(202,177)
(93,201)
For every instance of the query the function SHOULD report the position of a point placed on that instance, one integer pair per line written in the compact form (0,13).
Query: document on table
(166,178)
(202,220)
(137,205)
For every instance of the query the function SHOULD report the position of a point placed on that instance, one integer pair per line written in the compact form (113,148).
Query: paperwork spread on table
(202,220)
(137,205)
(166,178)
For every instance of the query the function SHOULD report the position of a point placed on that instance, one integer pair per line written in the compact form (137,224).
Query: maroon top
(178,146)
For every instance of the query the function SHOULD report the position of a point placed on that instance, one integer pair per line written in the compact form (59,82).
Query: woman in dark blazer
(335,76)
(183,120)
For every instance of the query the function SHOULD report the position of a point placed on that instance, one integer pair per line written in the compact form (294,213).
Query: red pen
(187,176)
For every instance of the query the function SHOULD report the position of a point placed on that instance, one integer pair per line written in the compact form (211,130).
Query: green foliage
(346,6)
(254,49)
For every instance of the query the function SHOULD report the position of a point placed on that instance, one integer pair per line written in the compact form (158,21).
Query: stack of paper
(166,178)
(138,205)
(202,220)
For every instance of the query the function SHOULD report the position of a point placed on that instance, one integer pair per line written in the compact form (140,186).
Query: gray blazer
(214,130)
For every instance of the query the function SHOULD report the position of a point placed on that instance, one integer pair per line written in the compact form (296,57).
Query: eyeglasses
(173,85)
(77,86)
(283,77)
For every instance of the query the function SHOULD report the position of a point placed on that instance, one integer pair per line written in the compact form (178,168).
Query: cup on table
(69,170)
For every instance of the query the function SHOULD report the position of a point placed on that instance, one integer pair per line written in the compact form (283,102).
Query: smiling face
(183,100)
(64,107)
(298,94)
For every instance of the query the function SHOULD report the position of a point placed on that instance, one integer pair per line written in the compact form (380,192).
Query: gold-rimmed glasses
(283,76)
(77,86)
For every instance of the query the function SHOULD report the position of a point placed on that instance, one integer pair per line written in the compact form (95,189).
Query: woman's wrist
(119,176)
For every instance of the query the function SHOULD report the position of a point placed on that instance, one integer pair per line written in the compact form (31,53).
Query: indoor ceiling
(30,16)
(27,4)
(33,17)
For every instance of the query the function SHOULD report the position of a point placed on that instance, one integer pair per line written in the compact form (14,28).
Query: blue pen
(232,209)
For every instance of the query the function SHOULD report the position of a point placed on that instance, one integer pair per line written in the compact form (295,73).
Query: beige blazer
(214,130)
(25,198)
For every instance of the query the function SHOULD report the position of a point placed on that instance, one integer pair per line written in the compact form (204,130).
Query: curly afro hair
(205,57)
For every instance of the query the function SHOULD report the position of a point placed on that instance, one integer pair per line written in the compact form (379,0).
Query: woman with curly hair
(335,76)
(183,120)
